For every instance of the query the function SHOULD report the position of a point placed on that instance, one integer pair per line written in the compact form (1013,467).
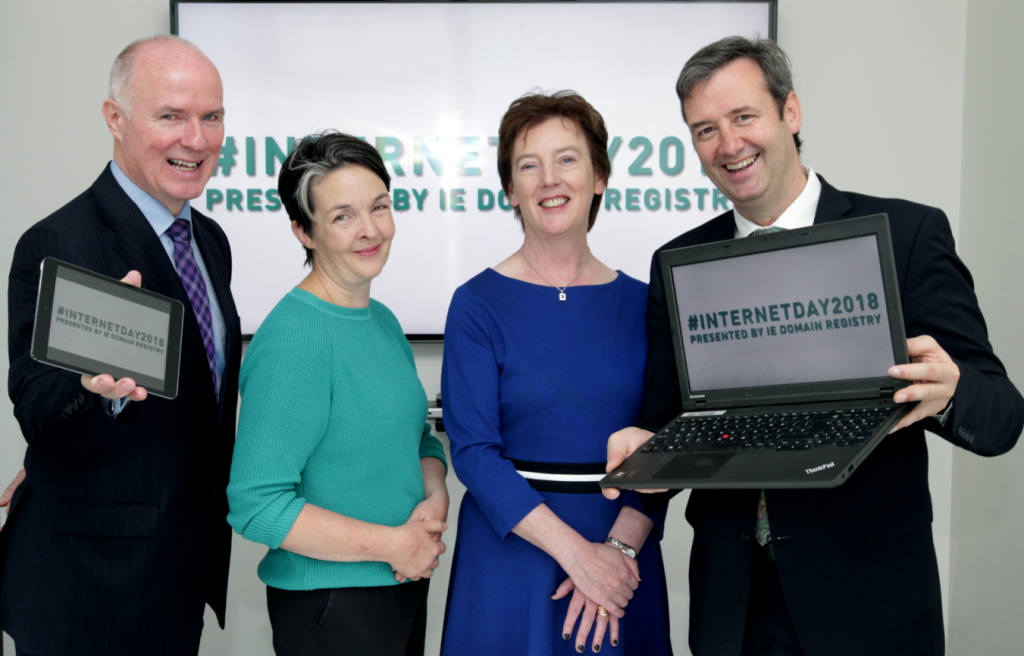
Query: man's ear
(114,116)
(791,113)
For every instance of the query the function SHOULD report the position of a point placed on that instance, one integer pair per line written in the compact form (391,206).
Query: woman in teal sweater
(335,468)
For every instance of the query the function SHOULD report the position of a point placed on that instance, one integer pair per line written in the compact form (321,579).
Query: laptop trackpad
(694,466)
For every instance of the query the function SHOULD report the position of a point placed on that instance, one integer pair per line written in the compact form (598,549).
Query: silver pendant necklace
(561,290)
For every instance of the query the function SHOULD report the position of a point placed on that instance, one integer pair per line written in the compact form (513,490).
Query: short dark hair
(773,62)
(315,157)
(533,109)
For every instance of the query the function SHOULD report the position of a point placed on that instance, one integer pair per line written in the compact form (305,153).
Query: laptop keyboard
(782,431)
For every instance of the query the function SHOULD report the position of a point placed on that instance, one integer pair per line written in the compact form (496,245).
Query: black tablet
(93,324)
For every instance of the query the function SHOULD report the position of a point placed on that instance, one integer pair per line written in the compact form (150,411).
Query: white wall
(882,86)
(986,571)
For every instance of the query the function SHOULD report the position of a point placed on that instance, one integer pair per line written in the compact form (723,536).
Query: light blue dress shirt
(161,219)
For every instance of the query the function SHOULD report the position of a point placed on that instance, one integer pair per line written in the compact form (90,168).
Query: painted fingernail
(615,643)
(597,648)
(579,648)
(565,636)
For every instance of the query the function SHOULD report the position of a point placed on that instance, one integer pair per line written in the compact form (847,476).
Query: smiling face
(553,181)
(352,227)
(170,144)
(746,148)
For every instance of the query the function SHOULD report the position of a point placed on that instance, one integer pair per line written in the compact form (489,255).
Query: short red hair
(533,109)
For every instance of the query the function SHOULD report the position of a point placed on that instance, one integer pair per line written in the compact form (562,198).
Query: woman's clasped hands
(428,517)
(415,548)
(601,577)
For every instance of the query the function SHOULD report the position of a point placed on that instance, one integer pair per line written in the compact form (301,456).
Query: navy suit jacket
(117,538)
(857,563)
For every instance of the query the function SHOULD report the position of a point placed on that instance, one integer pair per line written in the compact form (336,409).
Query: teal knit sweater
(332,414)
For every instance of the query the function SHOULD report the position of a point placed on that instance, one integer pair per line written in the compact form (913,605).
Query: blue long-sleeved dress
(530,378)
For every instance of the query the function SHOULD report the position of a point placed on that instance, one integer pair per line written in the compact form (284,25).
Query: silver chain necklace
(561,290)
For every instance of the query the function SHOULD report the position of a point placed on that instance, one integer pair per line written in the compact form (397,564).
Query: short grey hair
(120,88)
(773,62)
(315,157)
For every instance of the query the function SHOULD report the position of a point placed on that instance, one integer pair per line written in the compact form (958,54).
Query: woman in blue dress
(544,358)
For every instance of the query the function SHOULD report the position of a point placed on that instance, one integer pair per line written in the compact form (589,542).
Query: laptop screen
(806,314)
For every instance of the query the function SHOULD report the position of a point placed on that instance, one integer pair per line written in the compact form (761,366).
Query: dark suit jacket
(857,563)
(118,536)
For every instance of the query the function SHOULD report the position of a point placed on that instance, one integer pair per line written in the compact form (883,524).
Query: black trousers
(769,630)
(383,621)
(18,652)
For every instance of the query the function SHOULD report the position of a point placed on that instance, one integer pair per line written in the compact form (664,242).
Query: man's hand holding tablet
(103,384)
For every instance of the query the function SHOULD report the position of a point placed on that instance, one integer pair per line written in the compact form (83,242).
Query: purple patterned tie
(195,287)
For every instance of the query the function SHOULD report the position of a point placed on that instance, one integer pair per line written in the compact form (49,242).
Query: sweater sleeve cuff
(504,497)
(512,515)
(430,447)
(272,525)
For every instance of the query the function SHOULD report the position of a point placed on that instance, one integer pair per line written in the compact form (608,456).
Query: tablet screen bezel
(50,271)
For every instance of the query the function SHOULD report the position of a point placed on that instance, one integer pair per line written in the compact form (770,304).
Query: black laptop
(783,342)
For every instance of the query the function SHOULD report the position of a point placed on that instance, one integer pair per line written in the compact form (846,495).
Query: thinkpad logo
(815,470)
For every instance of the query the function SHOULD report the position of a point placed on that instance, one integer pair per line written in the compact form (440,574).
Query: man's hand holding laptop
(935,376)
(621,445)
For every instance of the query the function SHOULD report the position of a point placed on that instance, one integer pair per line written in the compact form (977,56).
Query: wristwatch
(622,546)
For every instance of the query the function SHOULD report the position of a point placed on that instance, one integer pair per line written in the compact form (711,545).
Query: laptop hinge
(703,404)
(885,393)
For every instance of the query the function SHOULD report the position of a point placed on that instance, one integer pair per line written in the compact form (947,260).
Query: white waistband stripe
(570,478)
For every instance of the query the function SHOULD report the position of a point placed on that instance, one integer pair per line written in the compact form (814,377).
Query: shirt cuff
(944,417)
(113,407)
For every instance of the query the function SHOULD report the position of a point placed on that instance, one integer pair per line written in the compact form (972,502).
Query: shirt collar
(798,215)
(158,216)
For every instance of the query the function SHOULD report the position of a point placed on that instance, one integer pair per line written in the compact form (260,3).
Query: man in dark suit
(850,570)
(117,538)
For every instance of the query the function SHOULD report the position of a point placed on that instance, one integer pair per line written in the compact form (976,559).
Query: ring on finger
(602,611)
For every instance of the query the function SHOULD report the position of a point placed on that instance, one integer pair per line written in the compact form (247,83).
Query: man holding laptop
(847,570)
(117,538)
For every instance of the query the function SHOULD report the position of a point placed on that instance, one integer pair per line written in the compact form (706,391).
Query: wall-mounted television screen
(427,84)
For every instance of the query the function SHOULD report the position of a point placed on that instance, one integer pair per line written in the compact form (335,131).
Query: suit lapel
(723,227)
(140,248)
(832,204)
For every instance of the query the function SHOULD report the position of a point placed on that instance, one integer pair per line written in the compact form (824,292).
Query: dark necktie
(195,287)
(762,530)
